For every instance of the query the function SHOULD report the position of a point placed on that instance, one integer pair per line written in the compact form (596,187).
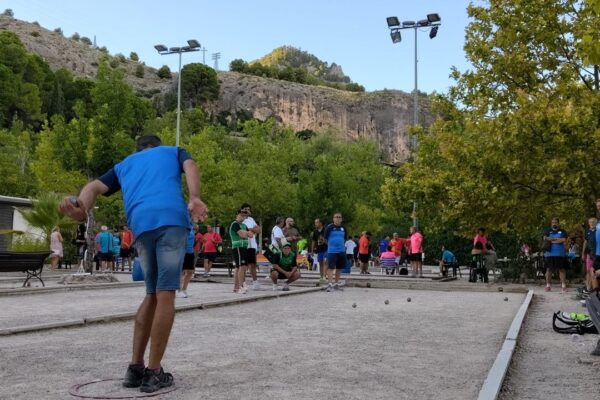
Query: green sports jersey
(287,262)
(236,241)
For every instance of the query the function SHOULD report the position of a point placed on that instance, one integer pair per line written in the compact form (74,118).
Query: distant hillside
(287,56)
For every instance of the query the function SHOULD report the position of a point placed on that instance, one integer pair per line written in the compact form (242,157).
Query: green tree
(133,56)
(86,40)
(164,72)
(199,84)
(75,37)
(139,71)
(8,12)
(238,65)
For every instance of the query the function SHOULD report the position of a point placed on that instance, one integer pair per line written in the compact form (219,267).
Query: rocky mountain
(384,116)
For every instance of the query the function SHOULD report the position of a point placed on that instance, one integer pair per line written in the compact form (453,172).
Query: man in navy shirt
(336,236)
(554,260)
(150,181)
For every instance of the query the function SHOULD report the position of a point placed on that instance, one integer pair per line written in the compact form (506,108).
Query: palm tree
(45,215)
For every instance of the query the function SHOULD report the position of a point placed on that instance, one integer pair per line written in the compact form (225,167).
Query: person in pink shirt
(210,240)
(416,251)
(481,238)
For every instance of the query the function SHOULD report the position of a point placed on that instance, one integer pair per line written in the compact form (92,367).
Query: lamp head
(193,43)
(160,48)
(435,17)
(396,36)
(392,22)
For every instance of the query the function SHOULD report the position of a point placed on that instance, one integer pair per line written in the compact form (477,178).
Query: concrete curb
(495,378)
(67,288)
(131,314)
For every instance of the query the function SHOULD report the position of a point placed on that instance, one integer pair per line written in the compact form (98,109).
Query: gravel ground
(301,347)
(549,365)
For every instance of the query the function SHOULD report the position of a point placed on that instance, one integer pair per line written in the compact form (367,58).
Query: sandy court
(308,346)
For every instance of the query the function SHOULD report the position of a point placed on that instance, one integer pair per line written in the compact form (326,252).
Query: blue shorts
(161,253)
(321,256)
(336,260)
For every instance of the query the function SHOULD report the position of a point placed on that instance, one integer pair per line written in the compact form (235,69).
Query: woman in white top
(56,247)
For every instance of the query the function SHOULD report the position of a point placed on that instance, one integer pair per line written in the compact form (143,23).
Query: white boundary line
(495,378)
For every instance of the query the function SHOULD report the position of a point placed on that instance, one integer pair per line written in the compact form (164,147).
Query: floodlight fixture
(433,32)
(408,24)
(435,17)
(392,22)
(160,48)
(423,22)
(193,43)
(396,36)
(175,49)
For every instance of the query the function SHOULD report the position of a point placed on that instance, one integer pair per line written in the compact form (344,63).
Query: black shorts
(210,256)
(240,257)
(280,275)
(105,256)
(415,257)
(350,257)
(337,260)
(555,263)
(125,253)
(251,256)
(188,261)
(596,263)
(364,258)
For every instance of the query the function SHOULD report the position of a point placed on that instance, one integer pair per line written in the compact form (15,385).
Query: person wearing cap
(252,245)
(285,267)
(240,235)
(104,245)
(156,211)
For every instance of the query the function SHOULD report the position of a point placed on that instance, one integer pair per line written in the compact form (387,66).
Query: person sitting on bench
(448,261)
(387,261)
(284,267)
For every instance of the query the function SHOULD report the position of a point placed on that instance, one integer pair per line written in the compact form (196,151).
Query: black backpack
(571,326)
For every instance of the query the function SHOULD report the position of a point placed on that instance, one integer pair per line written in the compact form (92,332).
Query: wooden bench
(30,263)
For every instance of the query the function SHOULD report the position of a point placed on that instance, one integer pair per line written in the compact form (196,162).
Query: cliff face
(384,116)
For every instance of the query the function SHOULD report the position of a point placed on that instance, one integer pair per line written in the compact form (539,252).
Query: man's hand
(197,209)
(70,207)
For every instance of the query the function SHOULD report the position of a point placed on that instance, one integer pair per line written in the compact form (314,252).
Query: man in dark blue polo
(554,260)
(336,236)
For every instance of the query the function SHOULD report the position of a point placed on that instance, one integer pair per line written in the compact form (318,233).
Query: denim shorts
(161,253)
(322,256)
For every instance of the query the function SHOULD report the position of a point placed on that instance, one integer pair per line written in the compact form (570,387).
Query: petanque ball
(506,299)
(387,302)
(368,284)
(408,299)
(353,305)
(317,284)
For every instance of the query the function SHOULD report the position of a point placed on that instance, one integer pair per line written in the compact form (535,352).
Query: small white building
(11,219)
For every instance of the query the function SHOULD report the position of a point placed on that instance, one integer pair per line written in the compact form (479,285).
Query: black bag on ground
(570,326)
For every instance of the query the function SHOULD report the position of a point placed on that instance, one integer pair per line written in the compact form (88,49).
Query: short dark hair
(245,205)
(146,142)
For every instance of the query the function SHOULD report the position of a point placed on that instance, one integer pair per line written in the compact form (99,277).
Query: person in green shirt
(239,234)
(302,244)
(285,267)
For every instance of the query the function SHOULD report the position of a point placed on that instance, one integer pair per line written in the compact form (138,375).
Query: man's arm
(78,207)
(197,208)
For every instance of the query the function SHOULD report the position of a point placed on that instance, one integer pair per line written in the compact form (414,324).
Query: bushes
(164,72)
(133,56)
(139,71)
(86,40)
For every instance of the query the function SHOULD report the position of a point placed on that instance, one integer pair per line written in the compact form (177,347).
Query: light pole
(193,45)
(432,21)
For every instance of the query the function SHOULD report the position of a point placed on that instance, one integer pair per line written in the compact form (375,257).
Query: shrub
(121,58)
(36,23)
(76,37)
(133,56)
(164,72)
(26,243)
(114,63)
(34,33)
(8,12)
(86,40)
(58,30)
(139,71)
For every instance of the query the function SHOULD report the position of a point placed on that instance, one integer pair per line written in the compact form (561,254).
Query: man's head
(147,142)
(395,235)
(337,219)
(413,229)
(318,223)
(240,215)
(280,222)
(104,228)
(555,223)
(125,228)
(209,228)
(481,231)
(289,222)
(592,222)
(387,238)
(247,208)
(286,249)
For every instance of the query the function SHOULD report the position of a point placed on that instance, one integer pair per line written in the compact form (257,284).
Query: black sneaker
(153,381)
(133,376)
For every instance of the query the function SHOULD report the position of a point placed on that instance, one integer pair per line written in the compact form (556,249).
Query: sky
(351,33)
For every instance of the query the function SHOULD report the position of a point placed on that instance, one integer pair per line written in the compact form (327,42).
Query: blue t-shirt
(336,237)
(558,249)
(105,242)
(151,185)
(598,239)
(191,239)
(448,257)
(383,244)
(116,245)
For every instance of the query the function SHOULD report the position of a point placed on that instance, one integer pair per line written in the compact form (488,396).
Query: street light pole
(395,26)
(193,45)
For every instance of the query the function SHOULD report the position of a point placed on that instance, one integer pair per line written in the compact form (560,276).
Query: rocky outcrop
(383,116)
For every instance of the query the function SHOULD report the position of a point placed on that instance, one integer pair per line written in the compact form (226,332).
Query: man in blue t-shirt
(448,259)
(104,244)
(554,260)
(150,181)
(336,236)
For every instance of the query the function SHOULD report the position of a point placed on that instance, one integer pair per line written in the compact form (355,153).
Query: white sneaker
(286,288)
(275,287)
(182,294)
(243,290)
(256,285)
